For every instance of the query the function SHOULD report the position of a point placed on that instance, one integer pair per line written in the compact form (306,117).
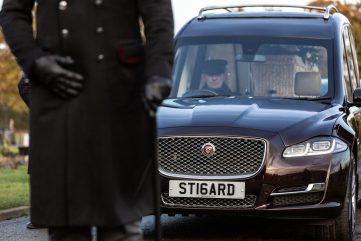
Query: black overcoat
(90,156)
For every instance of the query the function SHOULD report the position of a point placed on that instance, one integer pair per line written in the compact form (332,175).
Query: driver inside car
(214,76)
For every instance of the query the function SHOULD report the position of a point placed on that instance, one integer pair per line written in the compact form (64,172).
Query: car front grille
(297,199)
(233,156)
(248,202)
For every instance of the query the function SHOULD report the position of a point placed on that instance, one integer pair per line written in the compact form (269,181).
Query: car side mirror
(357,96)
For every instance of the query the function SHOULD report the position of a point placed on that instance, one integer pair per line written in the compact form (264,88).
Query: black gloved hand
(156,90)
(24,87)
(51,71)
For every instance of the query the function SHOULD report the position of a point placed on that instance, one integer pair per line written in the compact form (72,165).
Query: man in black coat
(93,79)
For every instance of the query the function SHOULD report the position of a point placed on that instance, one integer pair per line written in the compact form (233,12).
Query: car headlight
(315,146)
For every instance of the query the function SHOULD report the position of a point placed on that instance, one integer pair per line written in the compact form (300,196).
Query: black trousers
(129,232)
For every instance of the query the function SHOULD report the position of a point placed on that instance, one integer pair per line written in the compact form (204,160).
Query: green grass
(14,188)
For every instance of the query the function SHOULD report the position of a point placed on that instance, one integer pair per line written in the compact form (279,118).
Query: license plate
(207,189)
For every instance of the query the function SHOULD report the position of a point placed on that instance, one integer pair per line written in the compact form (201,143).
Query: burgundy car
(263,118)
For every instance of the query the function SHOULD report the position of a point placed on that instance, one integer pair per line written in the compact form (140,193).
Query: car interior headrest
(307,83)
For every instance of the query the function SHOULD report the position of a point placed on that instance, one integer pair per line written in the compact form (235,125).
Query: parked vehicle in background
(284,143)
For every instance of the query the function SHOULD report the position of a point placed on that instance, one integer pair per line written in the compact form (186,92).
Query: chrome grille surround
(248,202)
(235,157)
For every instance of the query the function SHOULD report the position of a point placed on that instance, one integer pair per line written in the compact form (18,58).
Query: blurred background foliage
(11,105)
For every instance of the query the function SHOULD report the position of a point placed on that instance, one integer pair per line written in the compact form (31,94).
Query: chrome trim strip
(193,177)
(312,187)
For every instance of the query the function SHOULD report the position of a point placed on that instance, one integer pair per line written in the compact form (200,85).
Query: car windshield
(256,67)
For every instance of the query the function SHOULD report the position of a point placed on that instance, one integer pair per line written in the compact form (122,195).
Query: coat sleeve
(16,23)
(157,17)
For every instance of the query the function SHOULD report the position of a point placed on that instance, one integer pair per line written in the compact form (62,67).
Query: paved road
(178,228)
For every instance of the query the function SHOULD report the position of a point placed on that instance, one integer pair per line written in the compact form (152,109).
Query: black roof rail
(326,10)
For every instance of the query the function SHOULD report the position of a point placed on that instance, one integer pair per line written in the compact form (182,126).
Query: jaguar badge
(208,149)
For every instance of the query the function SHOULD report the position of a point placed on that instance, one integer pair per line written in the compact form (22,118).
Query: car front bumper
(278,191)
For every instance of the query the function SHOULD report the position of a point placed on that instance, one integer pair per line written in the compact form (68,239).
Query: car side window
(354,56)
(351,64)
(346,69)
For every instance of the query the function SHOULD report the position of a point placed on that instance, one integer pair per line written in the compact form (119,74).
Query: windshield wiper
(203,93)
(323,100)
(199,96)
(305,98)
(314,99)
(205,96)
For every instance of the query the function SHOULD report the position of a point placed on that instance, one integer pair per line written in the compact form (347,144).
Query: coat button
(99,30)
(65,32)
(98,2)
(100,57)
(63,5)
